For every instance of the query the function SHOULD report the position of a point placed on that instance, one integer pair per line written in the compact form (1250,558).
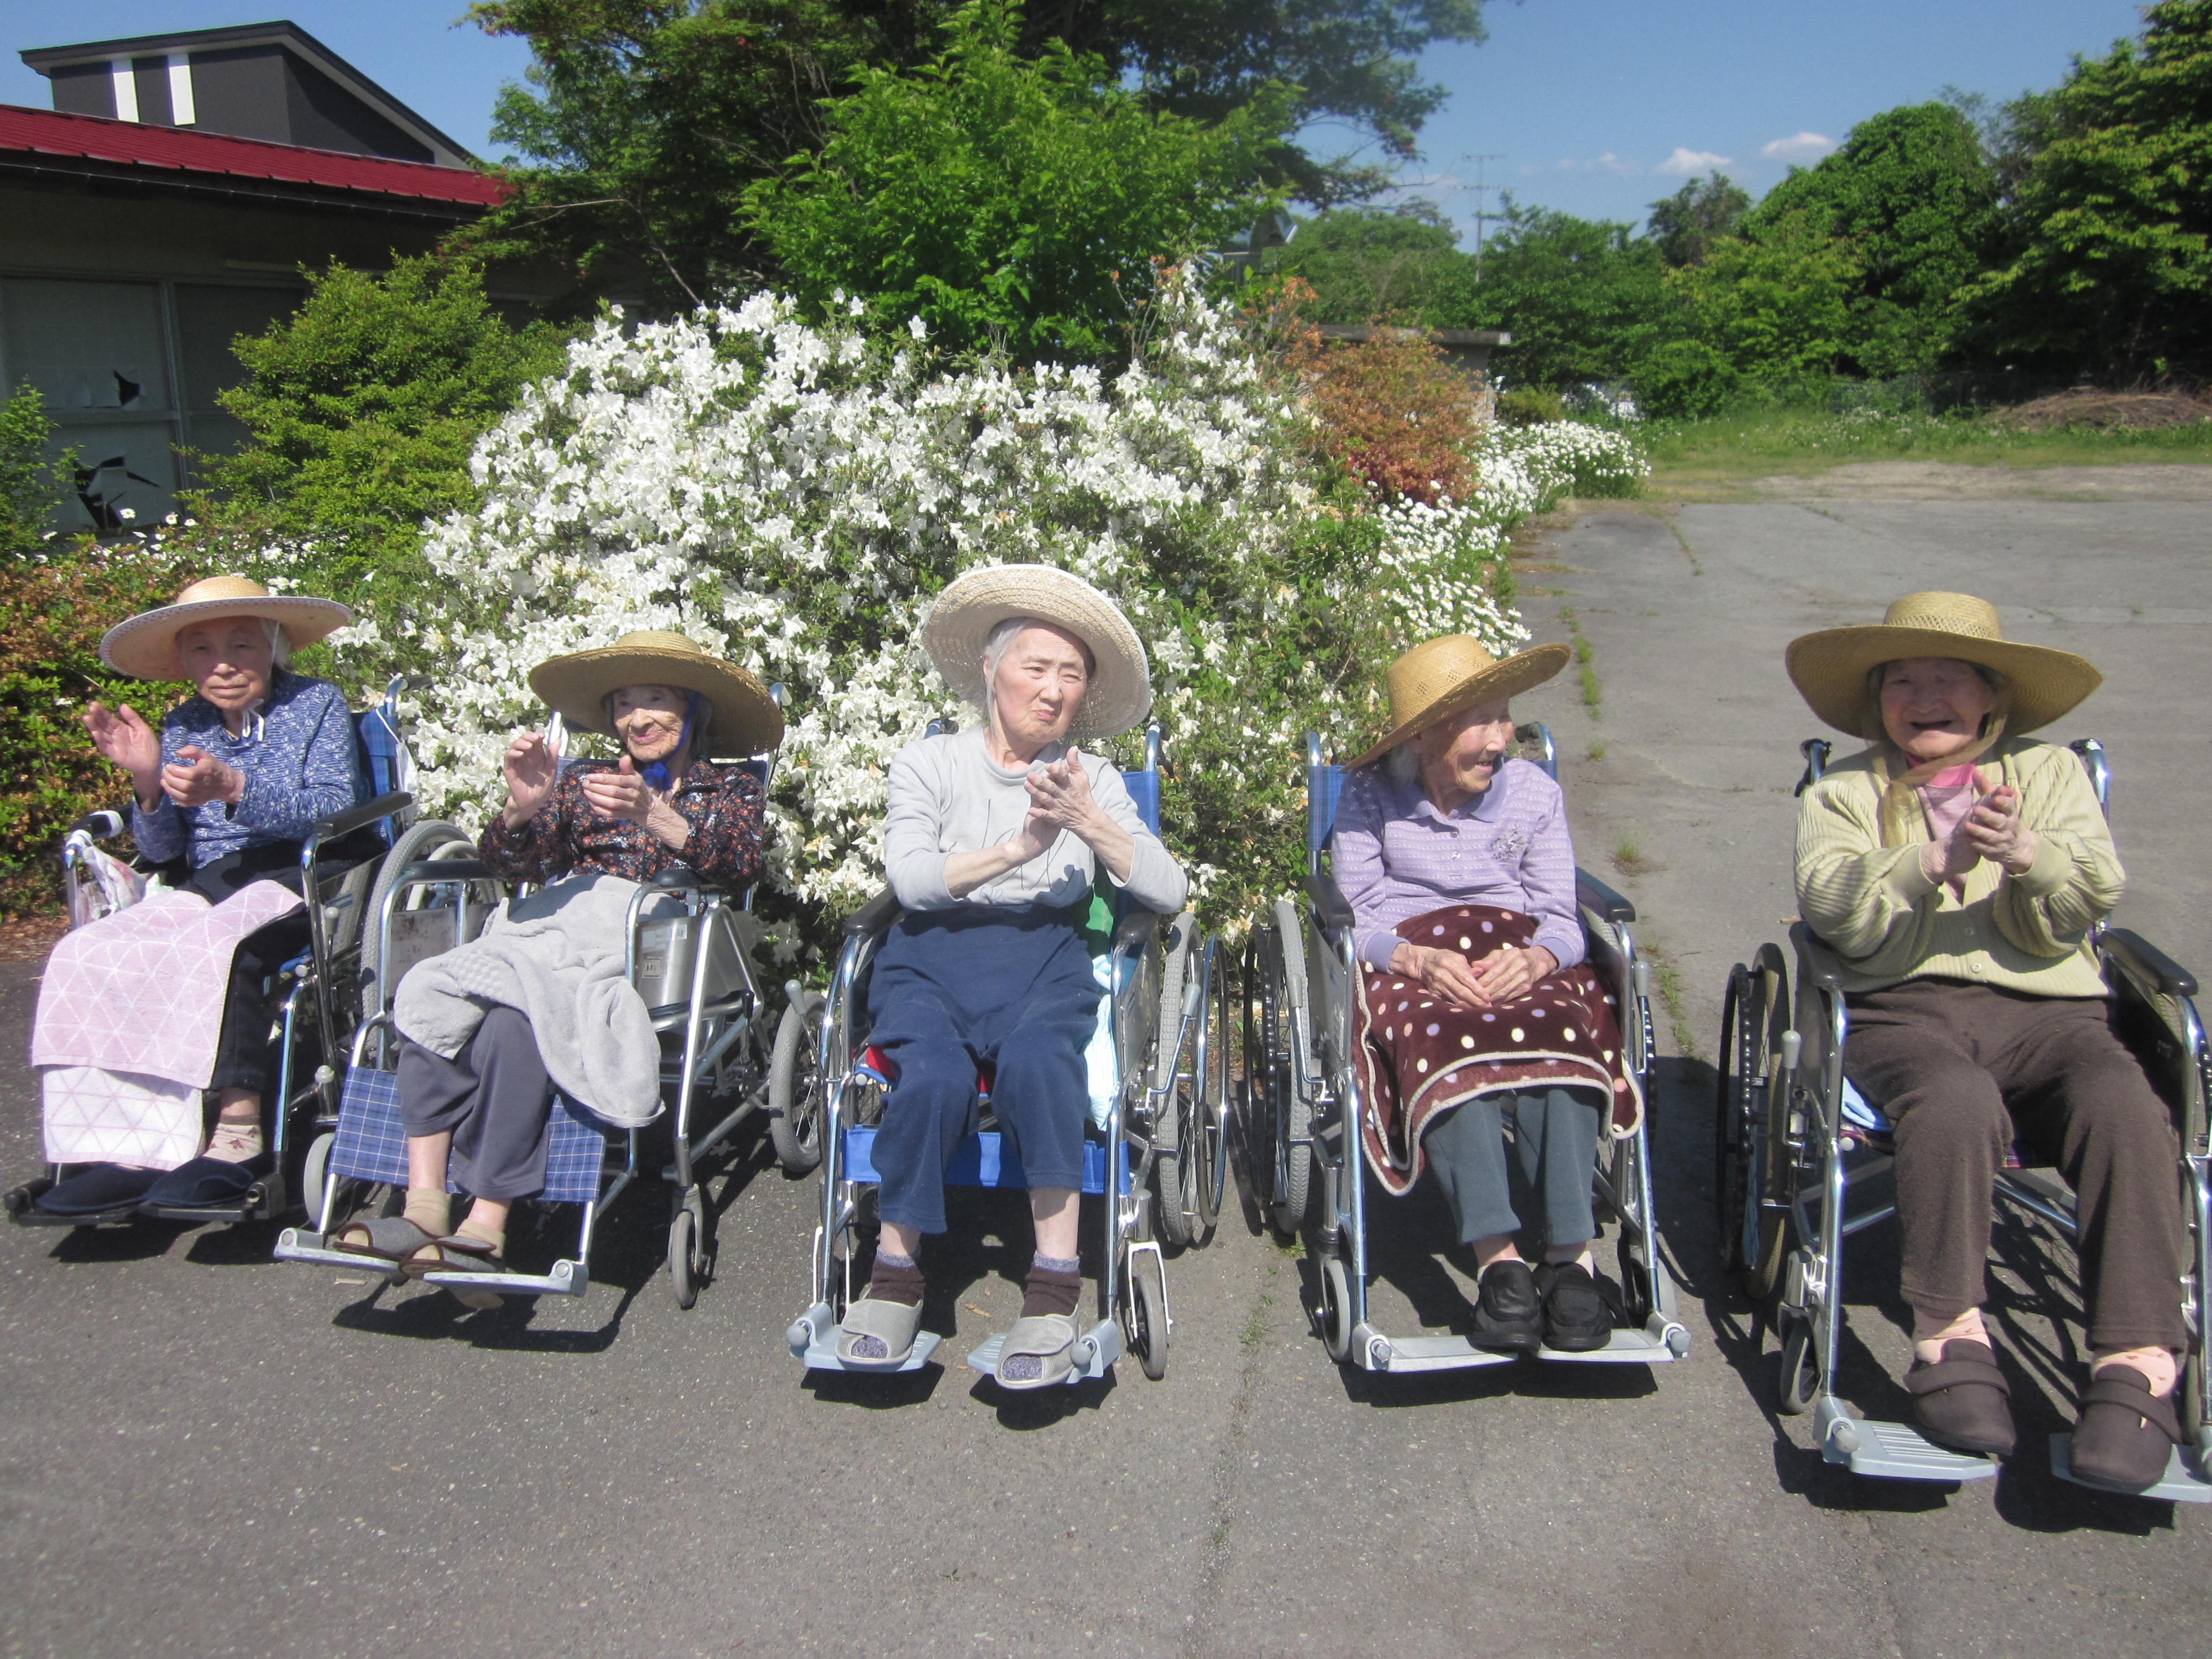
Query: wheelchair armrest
(676,875)
(354,817)
(1594,894)
(1135,928)
(1331,908)
(447,870)
(877,914)
(1818,966)
(101,826)
(2148,965)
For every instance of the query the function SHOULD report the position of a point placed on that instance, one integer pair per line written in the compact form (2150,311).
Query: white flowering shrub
(794,494)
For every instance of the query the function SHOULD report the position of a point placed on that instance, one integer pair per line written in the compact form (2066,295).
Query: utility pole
(1481,201)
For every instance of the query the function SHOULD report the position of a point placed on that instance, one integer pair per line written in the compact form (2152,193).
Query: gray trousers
(496,1098)
(1555,1131)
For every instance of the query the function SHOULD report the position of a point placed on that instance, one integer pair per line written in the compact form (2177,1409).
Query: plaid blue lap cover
(372,1146)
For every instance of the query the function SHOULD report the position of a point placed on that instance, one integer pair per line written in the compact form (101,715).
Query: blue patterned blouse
(299,763)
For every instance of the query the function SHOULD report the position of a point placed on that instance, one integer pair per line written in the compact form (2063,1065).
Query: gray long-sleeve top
(948,796)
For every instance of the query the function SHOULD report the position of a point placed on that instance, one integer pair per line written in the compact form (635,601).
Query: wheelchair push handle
(103,825)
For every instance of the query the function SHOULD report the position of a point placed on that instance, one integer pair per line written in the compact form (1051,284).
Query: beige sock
(2159,1366)
(431,1208)
(1557,1256)
(483,1234)
(1928,1345)
(236,1140)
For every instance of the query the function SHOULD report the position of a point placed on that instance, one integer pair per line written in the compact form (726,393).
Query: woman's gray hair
(1000,639)
(1402,764)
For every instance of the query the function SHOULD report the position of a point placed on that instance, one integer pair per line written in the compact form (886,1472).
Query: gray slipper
(1039,1352)
(878,1335)
(387,1241)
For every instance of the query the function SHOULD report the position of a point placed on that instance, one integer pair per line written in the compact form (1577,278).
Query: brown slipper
(1963,1401)
(2126,1432)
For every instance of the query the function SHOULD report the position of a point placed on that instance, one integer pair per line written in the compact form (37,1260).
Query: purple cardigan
(1397,857)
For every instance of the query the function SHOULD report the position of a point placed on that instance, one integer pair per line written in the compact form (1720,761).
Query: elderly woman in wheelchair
(539,1001)
(226,794)
(1475,1001)
(1959,869)
(993,841)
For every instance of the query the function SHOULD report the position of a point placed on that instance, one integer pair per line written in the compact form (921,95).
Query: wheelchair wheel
(795,1085)
(1275,990)
(1800,1375)
(314,1169)
(1188,1136)
(1148,1317)
(1750,1097)
(1334,1316)
(1213,1165)
(687,1256)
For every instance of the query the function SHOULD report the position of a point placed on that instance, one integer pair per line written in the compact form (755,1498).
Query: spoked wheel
(687,1251)
(1148,1316)
(1275,990)
(795,1085)
(1801,1369)
(1750,1101)
(1334,1316)
(1211,1166)
(1193,1077)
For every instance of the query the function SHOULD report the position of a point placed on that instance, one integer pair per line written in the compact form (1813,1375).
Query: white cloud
(1799,147)
(1607,162)
(1685,162)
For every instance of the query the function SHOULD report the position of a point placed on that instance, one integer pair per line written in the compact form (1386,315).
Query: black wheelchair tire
(795,1092)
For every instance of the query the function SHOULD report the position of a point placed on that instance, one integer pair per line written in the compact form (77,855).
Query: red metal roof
(185,149)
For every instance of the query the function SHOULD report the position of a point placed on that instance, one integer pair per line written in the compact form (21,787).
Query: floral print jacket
(724,806)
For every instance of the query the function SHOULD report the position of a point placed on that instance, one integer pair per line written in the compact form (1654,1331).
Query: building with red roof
(167,204)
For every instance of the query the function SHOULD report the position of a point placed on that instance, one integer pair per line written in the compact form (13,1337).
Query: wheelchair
(311,997)
(1153,1154)
(1793,1137)
(1303,1104)
(692,953)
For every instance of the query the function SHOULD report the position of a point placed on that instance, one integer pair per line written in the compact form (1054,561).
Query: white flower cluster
(791,493)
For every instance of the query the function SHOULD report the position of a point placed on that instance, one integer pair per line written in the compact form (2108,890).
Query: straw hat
(1830,668)
(146,646)
(746,720)
(1449,675)
(1121,691)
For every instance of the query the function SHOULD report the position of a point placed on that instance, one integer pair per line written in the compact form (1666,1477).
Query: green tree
(361,409)
(1000,199)
(1915,196)
(2110,272)
(32,482)
(1687,222)
(1773,313)
(646,121)
(1585,299)
(1364,262)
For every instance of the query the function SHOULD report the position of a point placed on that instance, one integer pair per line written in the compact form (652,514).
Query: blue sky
(1596,107)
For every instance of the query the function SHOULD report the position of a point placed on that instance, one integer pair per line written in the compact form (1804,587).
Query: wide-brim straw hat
(145,646)
(1451,674)
(746,721)
(1830,668)
(1120,693)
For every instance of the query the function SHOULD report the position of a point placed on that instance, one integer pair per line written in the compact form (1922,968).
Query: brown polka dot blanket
(1422,1055)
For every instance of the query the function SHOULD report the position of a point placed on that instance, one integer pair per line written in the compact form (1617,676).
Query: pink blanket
(142,991)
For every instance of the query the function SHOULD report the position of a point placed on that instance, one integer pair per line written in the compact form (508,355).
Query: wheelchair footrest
(813,1338)
(1891,1451)
(298,1244)
(247,1209)
(1658,1342)
(1096,1351)
(566,1279)
(35,1217)
(2184,1482)
(1374,1351)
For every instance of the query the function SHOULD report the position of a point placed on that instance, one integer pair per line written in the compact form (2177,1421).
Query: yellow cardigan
(1877,909)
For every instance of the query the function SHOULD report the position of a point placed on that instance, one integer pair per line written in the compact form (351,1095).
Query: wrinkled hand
(1994,830)
(1949,858)
(1512,970)
(1060,798)
(532,771)
(196,777)
(123,737)
(1445,974)
(620,793)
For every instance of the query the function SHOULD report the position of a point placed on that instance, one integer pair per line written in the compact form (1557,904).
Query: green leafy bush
(1531,405)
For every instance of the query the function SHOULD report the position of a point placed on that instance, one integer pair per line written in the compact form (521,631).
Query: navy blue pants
(957,992)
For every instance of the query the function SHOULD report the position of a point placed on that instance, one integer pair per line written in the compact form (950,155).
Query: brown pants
(1960,1069)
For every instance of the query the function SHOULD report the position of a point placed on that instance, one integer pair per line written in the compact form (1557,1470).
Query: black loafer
(206,1182)
(1576,1318)
(1963,1401)
(1508,1311)
(97,1188)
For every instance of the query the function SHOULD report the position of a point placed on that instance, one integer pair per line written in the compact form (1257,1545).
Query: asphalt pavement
(202,1453)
